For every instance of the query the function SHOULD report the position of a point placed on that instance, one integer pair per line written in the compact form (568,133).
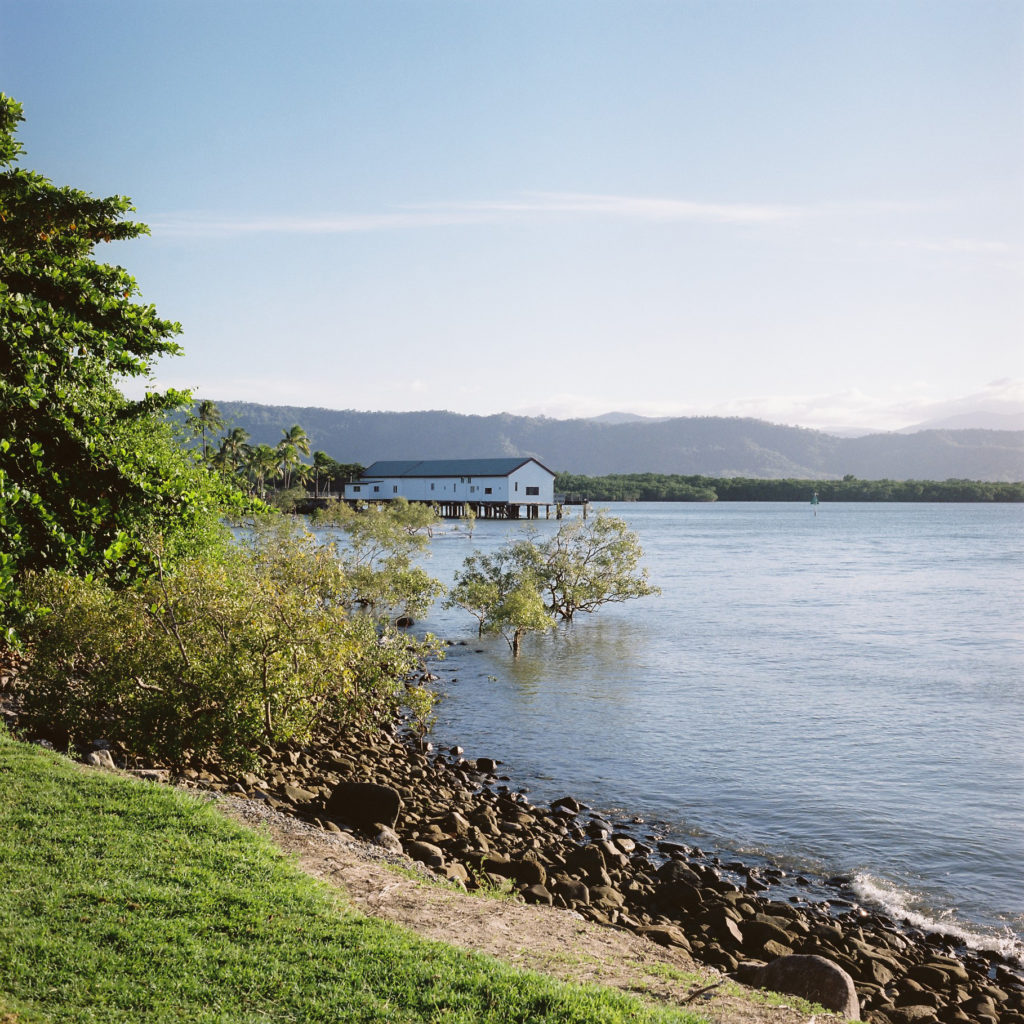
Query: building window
(394,490)
(356,489)
(431,486)
(533,490)
(375,488)
(488,490)
(517,485)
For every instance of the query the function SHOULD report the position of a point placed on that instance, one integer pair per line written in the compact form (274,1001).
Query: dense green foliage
(526,585)
(275,473)
(145,624)
(129,902)
(260,645)
(377,552)
(666,487)
(86,477)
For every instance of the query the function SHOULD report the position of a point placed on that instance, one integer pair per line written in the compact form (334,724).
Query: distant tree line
(669,487)
(274,473)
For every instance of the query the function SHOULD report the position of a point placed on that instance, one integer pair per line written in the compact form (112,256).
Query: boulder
(536,894)
(456,872)
(605,897)
(297,795)
(386,839)
(677,871)
(810,977)
(427,853)
(676,897)
(571,889)
(665,935)
(529,872)
(760,930)
(567,805)
(364,804)
(912,1015)
(100,759)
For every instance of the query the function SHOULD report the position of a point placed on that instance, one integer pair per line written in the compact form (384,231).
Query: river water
(840,690)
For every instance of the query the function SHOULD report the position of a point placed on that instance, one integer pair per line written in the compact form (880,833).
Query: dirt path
(554,942)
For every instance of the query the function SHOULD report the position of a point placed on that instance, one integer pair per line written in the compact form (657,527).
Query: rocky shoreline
(462,819)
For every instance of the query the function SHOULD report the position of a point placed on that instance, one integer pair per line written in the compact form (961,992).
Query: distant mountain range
(622,443)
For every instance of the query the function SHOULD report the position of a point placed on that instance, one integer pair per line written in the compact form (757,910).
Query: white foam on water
(905,905)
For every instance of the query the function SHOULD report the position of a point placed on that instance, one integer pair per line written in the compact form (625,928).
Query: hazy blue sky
(807,211)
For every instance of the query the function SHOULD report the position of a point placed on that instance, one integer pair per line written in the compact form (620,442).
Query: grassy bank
(126,901)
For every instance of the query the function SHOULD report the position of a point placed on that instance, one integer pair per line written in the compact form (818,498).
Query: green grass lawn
(128,901)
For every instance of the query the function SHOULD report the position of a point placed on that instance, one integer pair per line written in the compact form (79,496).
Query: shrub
(216,658)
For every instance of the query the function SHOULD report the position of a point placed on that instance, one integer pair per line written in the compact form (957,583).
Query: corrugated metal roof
(449,467)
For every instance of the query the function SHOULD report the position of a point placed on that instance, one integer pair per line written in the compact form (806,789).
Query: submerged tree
(501,593)
(591,562)
(526,585)
(381,544)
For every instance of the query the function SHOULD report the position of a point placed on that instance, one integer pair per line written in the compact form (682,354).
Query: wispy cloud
(530,206)
(848,411)
(975,246)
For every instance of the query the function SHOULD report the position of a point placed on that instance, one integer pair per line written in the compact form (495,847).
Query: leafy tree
(588,563)
(85,474)
(525,585)
(218,657)
(501,592)
(521,611)
(381,541)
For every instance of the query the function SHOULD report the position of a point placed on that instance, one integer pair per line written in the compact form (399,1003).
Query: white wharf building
(493,488)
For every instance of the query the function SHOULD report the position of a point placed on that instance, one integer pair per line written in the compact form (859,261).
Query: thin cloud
(432,215)
(976,246)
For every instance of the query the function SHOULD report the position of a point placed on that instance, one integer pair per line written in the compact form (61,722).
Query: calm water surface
(841,691)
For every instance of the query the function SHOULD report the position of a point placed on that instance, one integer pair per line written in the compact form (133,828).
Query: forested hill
(711,446)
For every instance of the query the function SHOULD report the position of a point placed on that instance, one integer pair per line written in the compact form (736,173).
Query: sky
(808,211)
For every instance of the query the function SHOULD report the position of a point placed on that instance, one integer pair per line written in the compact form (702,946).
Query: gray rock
(364,804)
(297,795)
(810,977)
(387,839)
(665,935)
(100,759)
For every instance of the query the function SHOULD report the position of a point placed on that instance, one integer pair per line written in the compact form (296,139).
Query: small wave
(904,905)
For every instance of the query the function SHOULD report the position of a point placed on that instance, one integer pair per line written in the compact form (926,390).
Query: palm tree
(207,417)
(232,450)
(262,460)
(301,472)
(322,464)
(291,444)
